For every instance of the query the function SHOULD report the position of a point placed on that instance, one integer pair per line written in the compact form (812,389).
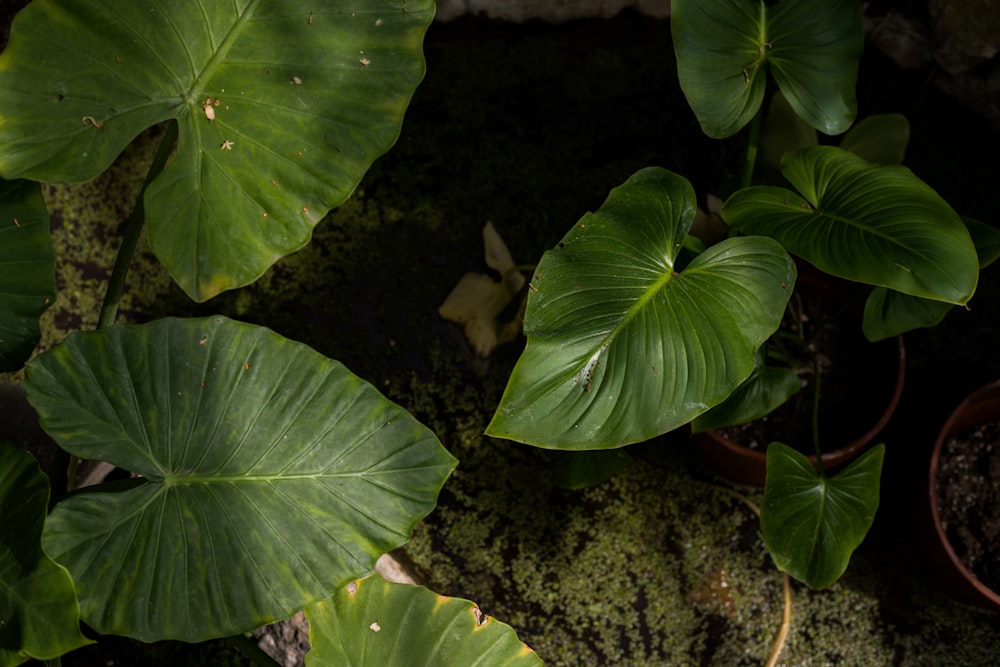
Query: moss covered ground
(529,127)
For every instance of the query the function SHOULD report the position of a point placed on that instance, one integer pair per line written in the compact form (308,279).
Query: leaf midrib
(204,480)
(208,71)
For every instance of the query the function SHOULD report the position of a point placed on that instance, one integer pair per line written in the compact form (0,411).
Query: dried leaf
(477,299)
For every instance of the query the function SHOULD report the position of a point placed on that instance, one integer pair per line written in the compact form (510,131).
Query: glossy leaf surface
(622,347)
(282,107)
(876,224)
(39,614)
(889,313)
(27,270)
(271,475)
(811,523)
(374,622)
(725,49)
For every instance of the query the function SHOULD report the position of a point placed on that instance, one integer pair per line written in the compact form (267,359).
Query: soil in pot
(969,499)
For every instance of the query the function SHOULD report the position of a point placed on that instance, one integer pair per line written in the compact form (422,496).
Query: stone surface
(966,33)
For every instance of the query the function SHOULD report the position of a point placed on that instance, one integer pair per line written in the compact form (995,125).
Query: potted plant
(958,501)
(265,477)
(821,341)
(635,328)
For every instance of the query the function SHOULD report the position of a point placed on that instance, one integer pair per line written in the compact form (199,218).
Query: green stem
(133,228)
(751,158)
(815,419)
(251,650)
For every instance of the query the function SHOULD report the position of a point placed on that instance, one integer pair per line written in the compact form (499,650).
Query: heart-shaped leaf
(621,346)
(282,107)
(889,313)
(876,224)
(374,622)
(27,267)
(39,614)
(812,523)
(271,475)
(726,47)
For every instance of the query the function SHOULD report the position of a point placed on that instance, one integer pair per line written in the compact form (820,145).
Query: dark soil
(969,499)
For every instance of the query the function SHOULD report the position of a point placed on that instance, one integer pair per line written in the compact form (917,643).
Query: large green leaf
(876,224)
(623,347)
(39,614)
(726,47)
(889,313)
(271,475)
(813,523)
(27,270)
(282,106)
(375,623)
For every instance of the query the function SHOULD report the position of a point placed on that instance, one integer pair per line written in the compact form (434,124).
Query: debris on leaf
(477,299)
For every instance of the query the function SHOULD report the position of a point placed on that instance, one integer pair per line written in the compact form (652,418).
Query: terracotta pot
(980,407)
(887,366)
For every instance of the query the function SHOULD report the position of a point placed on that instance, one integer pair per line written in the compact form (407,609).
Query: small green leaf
(876,224)
(783,132)
(27,270)
(622,347)
(812,523)
(374,622)
(725,49)
(282,106)
(881,138)
(889,313)
(39,614)
(271,475)
(762,392)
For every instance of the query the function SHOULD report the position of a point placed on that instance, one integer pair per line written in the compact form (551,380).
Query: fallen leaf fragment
(477,299)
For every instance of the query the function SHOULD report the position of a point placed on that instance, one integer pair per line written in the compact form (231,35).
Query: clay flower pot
(885,365)
(980,407)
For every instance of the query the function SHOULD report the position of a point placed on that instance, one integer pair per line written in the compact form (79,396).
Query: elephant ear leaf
(725,49)
(282,106)
(39,614)
(623,344)
(875,224)
(374,622)
(27,267)
(270,476)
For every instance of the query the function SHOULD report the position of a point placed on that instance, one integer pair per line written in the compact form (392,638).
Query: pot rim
(979,407)
(754,460)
